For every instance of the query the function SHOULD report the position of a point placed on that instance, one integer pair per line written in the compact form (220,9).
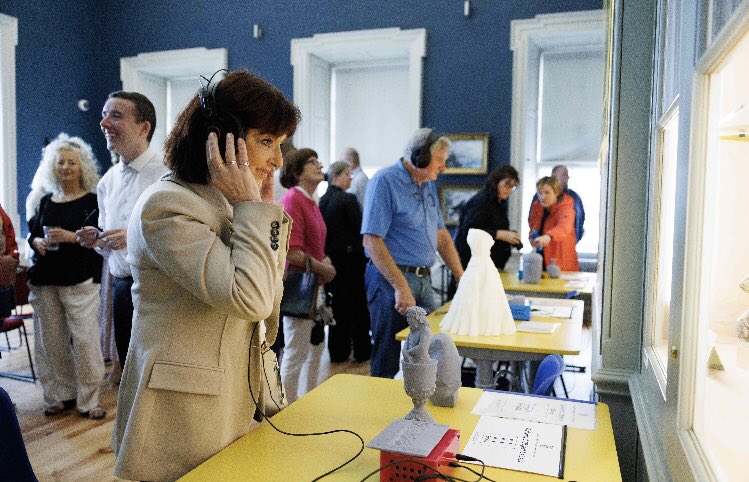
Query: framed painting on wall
(469,153)
(453,198)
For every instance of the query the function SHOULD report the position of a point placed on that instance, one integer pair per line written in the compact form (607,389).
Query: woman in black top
(63,291)
(487,210)
(343,244)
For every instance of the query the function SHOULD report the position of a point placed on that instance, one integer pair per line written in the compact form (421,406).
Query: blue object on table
(521,312)
(571,295)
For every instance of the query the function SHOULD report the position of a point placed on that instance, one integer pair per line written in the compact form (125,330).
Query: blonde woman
(62,284)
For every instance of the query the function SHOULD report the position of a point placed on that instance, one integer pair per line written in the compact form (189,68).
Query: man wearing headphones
(128,121)
(403,227)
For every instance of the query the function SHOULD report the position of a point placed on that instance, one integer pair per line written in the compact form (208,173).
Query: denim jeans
(386,321)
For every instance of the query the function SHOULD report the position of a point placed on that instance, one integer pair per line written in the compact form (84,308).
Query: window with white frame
(663,203)
(662,189)
(569,132)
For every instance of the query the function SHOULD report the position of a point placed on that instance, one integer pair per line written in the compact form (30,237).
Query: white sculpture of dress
(480,305)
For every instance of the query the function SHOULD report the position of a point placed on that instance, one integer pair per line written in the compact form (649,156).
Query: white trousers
(300,366)
(67,343)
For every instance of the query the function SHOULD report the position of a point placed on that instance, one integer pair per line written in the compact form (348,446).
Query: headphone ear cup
(221,127)
(421,157)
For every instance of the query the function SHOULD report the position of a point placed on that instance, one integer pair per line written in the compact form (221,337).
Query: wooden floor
(69,447)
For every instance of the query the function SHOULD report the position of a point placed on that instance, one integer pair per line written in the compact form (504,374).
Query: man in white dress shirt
(128,121)
(358,178)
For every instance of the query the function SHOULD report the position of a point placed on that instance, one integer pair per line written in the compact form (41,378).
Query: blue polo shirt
(406,216)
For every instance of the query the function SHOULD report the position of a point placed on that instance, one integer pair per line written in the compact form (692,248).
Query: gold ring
(229,163)
(244,163)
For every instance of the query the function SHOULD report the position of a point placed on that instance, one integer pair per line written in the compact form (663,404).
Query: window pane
(720,12)
(720,415)
(664,211)
(571,92)
(670,57)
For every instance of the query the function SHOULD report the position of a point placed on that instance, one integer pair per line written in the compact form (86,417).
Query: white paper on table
(519,445)
(575,413)
(575,284)
(571,277)
(555,311)
(537,327)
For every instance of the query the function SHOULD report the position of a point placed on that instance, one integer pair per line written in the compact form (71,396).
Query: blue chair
(549,370)
(14,461)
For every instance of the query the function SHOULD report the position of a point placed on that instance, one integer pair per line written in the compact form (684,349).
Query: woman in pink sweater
(301,174)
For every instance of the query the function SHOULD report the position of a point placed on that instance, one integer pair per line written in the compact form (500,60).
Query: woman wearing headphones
(207,246)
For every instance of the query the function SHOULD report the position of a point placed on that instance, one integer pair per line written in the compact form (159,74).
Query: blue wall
(70,52)
(56,64)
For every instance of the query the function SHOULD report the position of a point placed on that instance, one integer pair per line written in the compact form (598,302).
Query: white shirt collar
(140,162)
(306,194)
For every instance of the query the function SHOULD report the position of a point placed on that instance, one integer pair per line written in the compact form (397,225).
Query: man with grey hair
(403,227)
(358,178)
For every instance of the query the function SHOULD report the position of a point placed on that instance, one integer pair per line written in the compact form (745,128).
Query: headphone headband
(216,122)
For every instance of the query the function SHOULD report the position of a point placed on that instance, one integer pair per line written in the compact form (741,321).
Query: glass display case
(718,412)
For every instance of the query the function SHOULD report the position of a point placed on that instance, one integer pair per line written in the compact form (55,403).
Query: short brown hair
(293,165)
(244,98)
(552,182)
(144,110)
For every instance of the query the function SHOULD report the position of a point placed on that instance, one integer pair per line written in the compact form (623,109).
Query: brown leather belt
(419,271)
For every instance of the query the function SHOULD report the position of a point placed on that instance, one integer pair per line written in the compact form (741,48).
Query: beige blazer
(204,275)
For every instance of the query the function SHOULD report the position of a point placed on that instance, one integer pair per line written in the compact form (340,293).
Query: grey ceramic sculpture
(742,324)
(553,269)
(419,370)
(442,349)
(533,265)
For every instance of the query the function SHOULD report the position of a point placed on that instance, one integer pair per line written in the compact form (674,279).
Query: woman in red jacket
(552,224)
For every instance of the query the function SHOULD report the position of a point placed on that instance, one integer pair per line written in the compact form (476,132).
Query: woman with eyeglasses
(342,215)
(487,211)
(552,224)
(303,347)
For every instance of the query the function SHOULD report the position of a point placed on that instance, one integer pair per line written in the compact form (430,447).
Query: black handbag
(299,293)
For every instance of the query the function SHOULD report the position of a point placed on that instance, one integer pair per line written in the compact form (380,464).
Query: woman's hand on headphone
(232,177)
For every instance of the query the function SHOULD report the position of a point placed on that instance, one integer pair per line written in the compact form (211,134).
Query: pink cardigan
(308,226)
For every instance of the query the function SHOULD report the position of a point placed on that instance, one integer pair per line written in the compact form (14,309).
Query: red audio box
(408,467)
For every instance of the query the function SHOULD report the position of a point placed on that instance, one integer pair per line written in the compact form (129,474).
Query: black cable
(410,461)
(480,474)
(267,419)
(468,458)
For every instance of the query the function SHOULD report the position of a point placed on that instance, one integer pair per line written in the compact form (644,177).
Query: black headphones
(422,156)
(218,123)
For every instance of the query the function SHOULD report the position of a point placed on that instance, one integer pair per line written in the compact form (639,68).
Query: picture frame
(452,199)
(469,153)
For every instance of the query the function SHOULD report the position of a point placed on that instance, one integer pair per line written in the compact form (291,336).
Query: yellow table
(555,287)
(485,350)
(366,406)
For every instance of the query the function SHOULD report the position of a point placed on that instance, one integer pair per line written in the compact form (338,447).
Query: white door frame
(9,172)
(135,72)
(339,48)
(529,38)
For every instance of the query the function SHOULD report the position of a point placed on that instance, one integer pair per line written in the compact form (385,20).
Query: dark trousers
(122,314)
(350,309)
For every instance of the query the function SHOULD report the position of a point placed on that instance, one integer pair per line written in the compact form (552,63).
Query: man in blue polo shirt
(403,227)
